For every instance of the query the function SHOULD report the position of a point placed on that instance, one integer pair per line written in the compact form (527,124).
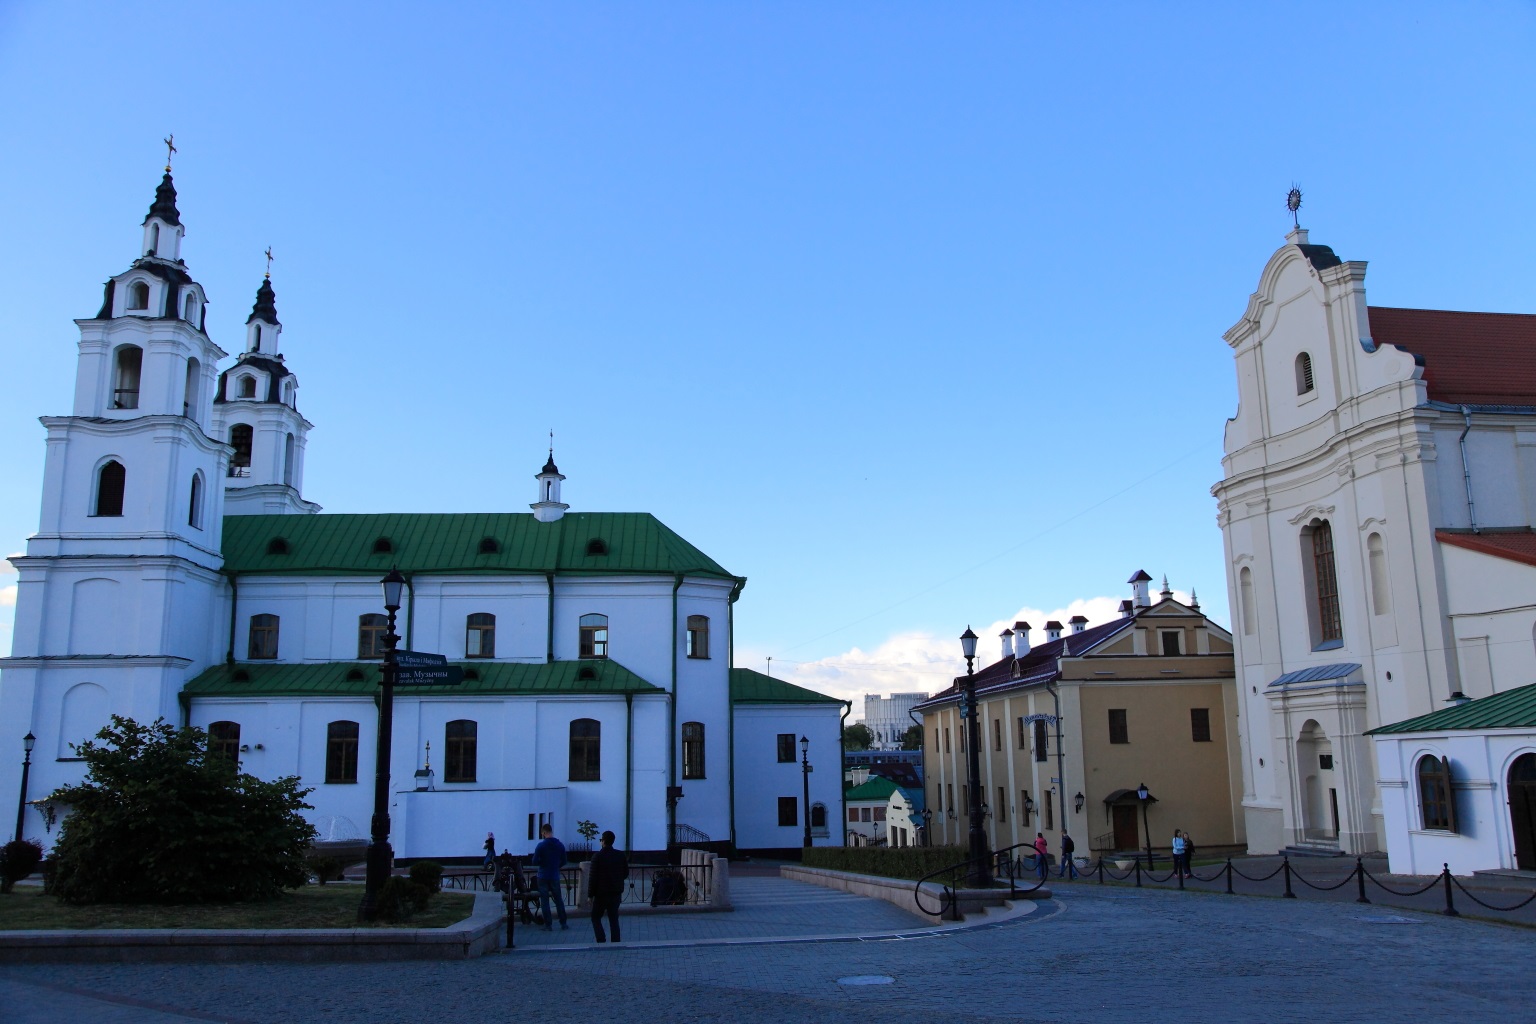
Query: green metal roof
(636,542)
(1512,709)
(749,687)
(876,788)
(361,679)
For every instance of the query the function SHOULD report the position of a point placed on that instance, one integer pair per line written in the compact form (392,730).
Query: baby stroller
(510,882)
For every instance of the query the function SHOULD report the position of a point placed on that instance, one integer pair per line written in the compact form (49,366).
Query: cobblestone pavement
(1092,954)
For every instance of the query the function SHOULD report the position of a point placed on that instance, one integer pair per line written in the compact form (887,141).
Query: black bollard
(1179,868)
(1138,872)
(1101,870)
(1287,865)
(1450,908)
(1229,876)
(1360,879)
(507,902)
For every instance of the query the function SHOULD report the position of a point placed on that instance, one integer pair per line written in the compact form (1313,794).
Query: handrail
(997,856)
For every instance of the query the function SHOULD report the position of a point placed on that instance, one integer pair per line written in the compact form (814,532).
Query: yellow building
(1073,728)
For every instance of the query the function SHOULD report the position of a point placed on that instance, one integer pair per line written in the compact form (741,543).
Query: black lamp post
(380,856)
(1145,797)
(805,775)
(927,826)
(981,869)
(27,742)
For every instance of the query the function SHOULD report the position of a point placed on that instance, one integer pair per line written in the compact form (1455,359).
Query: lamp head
(28,742)
(392,584)
(1141,791)
(968,643)
(805,746)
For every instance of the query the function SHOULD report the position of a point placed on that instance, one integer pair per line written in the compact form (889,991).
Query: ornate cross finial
(770,665)
(269,263)
(551,443)
(1293,203)
(170,148)
(428,765)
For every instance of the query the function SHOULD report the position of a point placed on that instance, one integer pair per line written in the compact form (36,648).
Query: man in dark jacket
(605,887)
(549,857)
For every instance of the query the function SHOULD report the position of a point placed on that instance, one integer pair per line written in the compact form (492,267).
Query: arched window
(1304,382)
(1245,599)
(1321,584)
(263,643)
(480,636)
(240,440)
(195,503)
(288,460)
(586,750)
(698,636)
(594,636)
(370,635)
(247,386)
(224,741)
(693,750)
(1435,799)
(111,482)
(192,391)
(189,309)
(1381,584)
(154,239)
(818,815)
(125,382)
(461,741)
(138,295)
(341,752)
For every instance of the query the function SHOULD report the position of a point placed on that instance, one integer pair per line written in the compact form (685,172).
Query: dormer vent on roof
(277,546)
(1020,639)
(489,546)
(597,546)
(1007,638)
(1138,582)
(1079,623)
(1127,609)
(383,546)
(1053,630)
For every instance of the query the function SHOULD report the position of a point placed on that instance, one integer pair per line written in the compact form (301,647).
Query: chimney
(1020,639)
(1052,630)
(1126,610)
(1138,584)
(1079,623)
(1007,636)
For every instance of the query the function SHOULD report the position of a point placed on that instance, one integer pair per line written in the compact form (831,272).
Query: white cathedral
(178,572)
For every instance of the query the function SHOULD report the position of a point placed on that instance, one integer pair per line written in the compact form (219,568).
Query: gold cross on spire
(269,263)
(551,444)
(170,147)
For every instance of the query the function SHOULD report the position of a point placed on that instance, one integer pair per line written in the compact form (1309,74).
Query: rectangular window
(698,636)
(1171,643)
(461,751)
(1329,626)
(341,753)
(1042,743)
(935,740)
(997,734)
(480,636)
(586,751)
(964,729)
(1023,735)
(949,790)
(946,739)
(789,811)
(879,813)
(1118,731)
(594,636)
(224,741)
(864,814)
(1024,807)
(370,635)
(1050,814)
(853,815)
(693,750)
(1002,805)
(1200,725)
(786,748)
(263,643)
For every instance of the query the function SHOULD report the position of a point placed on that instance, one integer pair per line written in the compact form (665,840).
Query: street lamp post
(981,870)
(927,826)
(805,775)
(380,856)
(27,743)
(1145,797)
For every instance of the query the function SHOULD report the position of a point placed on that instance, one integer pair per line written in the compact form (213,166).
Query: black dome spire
(164,205)
(265,308)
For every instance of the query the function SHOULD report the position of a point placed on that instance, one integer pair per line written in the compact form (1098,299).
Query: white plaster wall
(761,779)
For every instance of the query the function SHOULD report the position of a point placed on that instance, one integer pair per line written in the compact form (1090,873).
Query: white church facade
(178,572)
(1376,506)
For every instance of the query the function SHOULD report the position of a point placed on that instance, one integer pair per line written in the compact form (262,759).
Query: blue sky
(912,315)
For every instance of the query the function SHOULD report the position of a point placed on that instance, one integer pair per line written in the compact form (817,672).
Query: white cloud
(8,596)
(924,661)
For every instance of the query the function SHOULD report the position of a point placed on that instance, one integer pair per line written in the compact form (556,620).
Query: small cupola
(1007,636)
(262,326)
(1020,639)
(1079,623)
(162,225)
(549,507)
(1166,593)
(1139,584)
(1127,610)
(1052,630)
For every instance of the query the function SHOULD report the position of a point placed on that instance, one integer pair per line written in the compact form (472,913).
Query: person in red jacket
(1042,854)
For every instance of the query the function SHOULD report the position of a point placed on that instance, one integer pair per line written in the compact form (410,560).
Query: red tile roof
(1469,358)
(1515,545)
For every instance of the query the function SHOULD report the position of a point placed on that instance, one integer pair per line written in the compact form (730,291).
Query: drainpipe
(234,601)
(1466,467)
(730,734)
(842,752)
(1061,771)
(629,770)
(549,648)
(677,584)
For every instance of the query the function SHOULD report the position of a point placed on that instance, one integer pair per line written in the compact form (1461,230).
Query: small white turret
(1007,636)
(1020,639)
(549,507)
(1139,595)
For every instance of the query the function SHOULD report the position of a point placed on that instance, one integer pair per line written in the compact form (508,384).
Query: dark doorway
(1522,810)
(1127,835)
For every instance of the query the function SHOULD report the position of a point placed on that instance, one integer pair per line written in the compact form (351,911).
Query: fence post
(1177,870)
(1450,908)
(1101,869)
(1229,876)
(1360,879)
(1287,865)
(1138,872)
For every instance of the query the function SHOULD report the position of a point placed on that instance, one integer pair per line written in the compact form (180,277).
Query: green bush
(912,862)
(325,869)
(400,898)
(161,819)
(429,874)
(18,859)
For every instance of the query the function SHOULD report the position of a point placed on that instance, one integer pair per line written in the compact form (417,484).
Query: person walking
(605,887)
(490,852)
(549,858)
(1178,851)
(1189,854)
(1067,864)
(1042,855)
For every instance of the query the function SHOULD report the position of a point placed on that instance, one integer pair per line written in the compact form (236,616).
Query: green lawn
(314,906)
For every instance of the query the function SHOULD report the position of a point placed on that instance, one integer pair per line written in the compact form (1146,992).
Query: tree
(161,819)
(857,737)
(912,739)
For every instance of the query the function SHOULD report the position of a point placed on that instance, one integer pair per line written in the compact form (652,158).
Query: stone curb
(901,892)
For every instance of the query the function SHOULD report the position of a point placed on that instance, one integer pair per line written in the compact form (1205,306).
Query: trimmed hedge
(887,861)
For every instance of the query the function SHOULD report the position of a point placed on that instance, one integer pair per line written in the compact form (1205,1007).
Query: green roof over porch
(751,687)
(1512,709)
(361,679)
